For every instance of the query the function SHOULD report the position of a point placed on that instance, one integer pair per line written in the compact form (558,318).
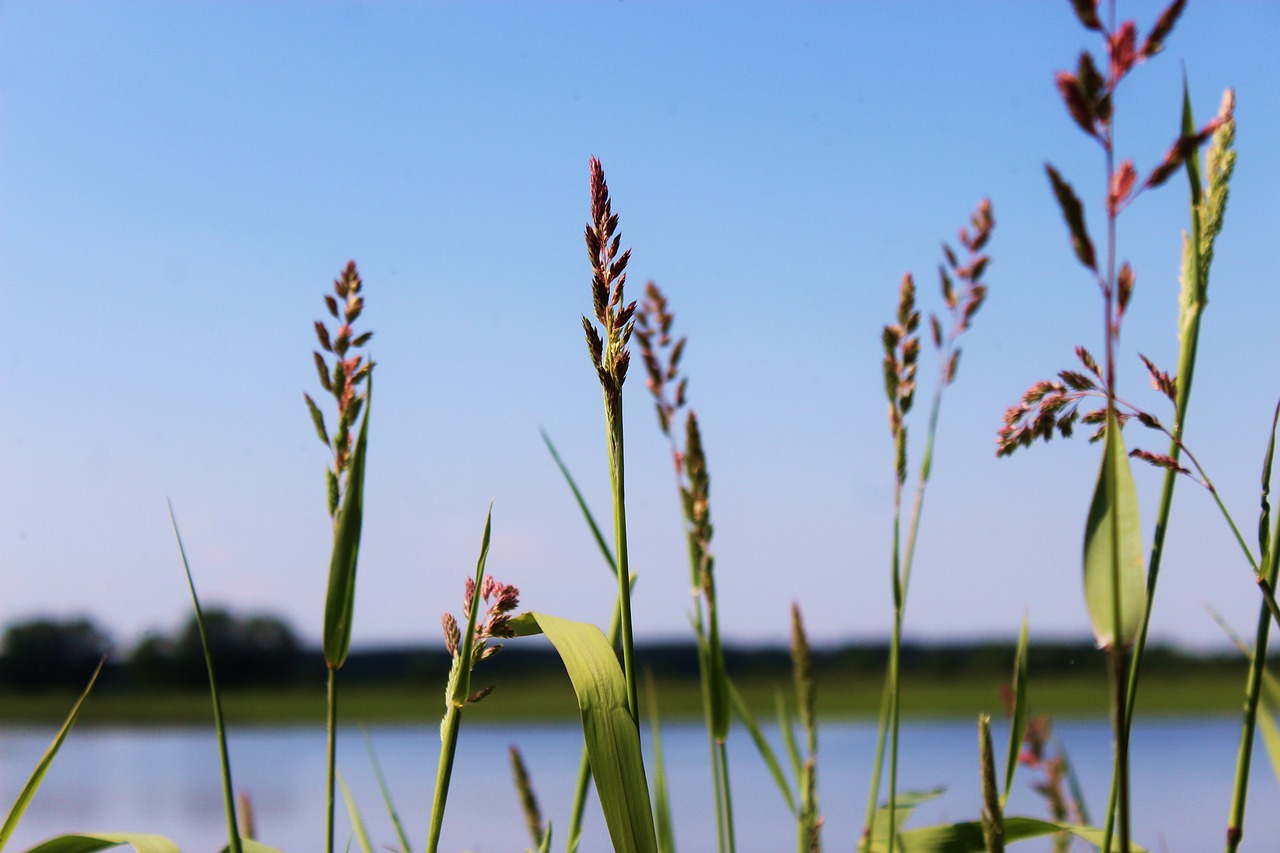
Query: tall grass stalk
(693,483)
(610,357)
(902,352)
(344,487)
(1117,588)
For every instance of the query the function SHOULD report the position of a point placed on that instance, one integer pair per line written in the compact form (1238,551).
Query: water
(166,781)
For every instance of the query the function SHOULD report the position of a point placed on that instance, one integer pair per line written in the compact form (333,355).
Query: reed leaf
(662,800)
(249,845)
(966,836)
(228,792)
(905,804)
(1018,720)
(405,846)
(42,766)
(340,600)
(84,842)
(357,822)
(611,732)
(582,504)
(762,746)
(1115,577)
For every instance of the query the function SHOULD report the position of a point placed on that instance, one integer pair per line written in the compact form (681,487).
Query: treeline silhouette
(263,650)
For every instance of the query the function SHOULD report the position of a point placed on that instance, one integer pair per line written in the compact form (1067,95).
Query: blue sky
(179,184)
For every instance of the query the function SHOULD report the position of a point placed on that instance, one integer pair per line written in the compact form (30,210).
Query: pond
(167,781)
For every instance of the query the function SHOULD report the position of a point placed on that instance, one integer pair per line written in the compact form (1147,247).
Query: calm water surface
(167,781)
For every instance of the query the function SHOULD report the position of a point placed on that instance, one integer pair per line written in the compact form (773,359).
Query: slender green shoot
(224,759)
(357,821)
(385,791)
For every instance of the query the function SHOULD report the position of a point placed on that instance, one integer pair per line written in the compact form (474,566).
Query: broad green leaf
(357,822)
(966,837)
(1018,722)
(1115,577)
(763,747)
(42,766)
(92,842)
(612,734)
(340,601)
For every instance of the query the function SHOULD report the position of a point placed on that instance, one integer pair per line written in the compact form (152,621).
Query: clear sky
(180,183)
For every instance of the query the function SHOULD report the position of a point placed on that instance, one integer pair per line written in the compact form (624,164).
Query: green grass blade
(357,822)
(662,801)
(1018,722)
(905,803)
(340,600)
(966,836)
(545,846)
(228,791)
(42,766)
(405,846)
(582,505)
(1115,573)
(462,685)
(249,845)
(762,746)
(84,842)
(610,730)
(787,729)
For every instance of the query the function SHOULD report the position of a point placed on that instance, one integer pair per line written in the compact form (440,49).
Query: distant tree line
(262,649)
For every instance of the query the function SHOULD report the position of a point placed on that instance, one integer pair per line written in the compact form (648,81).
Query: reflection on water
(167,781)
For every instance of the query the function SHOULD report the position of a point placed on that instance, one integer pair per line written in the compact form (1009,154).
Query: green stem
(613,423)
(901,581)
(449,729)
(728,795)
(1253,691)
(331,757)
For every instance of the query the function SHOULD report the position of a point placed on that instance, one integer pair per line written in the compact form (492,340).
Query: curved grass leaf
(966,836)
(93,842)
(37,775)
(42,766)
(905,803)
(341,598)
(1115,577)
(611,732)
(763,747)
(249,845)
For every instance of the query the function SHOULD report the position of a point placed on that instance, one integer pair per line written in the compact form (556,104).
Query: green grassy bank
(550,699)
